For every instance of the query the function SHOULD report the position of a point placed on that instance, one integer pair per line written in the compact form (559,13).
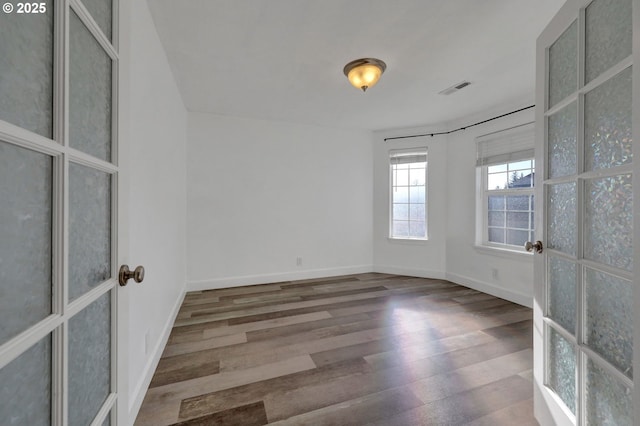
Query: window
(509,200)
(506,203)
(408,194)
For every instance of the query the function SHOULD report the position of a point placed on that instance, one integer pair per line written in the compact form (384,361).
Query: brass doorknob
(537,246)
(126,274)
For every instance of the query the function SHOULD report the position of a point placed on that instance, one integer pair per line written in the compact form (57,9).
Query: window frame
(394,153)
(484,193)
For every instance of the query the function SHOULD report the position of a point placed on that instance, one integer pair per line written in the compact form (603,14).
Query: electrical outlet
(494,273)
(298,261)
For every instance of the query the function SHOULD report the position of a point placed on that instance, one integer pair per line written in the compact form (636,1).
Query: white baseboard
(412,272)
(227,282)
(501,292)
(138,394)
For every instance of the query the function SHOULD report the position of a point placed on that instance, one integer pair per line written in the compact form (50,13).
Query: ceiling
(283,59)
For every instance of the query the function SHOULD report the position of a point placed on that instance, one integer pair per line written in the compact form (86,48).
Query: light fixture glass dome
(364,73)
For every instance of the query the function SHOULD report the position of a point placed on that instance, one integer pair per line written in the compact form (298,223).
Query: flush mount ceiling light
(364,73)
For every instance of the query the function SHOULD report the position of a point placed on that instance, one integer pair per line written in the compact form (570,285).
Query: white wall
(263,193)
(157,201)
(450,251)
(417,258)
(467,264)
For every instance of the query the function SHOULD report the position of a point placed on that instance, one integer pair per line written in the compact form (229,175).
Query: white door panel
(584,295)
(59,221)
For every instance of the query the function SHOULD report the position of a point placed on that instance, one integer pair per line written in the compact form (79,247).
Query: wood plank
(245,415)
(364,410)
(319,281)
(466,406)
(168,372)
(266,324)
(287,330)
(472,376)
(520,414)
(256,391)
(217,308)
(225,380)
(204,344)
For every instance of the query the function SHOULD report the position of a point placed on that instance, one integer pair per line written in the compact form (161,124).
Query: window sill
(400,240)
(503,252)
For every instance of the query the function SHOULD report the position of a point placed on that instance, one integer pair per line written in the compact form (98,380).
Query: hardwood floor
(371,349)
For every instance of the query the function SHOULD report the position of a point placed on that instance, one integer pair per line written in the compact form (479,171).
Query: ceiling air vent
(455,88)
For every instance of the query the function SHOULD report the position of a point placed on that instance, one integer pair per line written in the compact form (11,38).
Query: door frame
(122,40)
(635,116)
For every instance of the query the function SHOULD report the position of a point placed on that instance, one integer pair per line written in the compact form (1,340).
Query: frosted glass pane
(496,202)
(26,70)
(518,202)
(562,293)
(89,229)
(608,35)
(607,116)
(89,93)
(517,237)
(518,220)
(25,387)
(609,221)
(609,319)
(562,217)
(608,402)
(496,219)
(496,235)
(563,65)
(100,11)
(25,236)
(563,127)
(89,360)
(562,369)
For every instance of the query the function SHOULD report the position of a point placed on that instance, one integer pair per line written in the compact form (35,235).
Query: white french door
(59,185)
(586,177)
